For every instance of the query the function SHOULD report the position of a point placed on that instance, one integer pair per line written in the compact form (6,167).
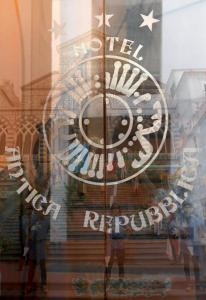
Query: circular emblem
(109,121)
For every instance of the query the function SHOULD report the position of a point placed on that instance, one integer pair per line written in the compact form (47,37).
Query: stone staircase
(81,255)
(138,252)
(71,228)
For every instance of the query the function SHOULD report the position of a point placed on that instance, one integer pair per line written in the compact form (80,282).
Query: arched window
(3,134)
(27,135)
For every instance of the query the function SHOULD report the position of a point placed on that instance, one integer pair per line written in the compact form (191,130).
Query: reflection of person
(37,249)
(115,247)
(201,288)
(173,235)
(25,224)
(189,225)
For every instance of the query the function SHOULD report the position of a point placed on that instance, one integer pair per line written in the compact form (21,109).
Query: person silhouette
(115,246)
(37,249)
(189,225)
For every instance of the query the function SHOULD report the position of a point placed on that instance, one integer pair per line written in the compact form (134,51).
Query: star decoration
(148,20)
(100,19)
(57,29)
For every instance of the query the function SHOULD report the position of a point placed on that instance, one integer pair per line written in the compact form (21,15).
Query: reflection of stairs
(59,226)
(74,225)
(82,255)
(138,252)
(125,194)
(85,245)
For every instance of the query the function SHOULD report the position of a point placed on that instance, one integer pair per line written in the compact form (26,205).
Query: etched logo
(125,101)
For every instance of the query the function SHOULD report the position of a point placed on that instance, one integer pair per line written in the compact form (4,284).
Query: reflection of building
(9,114)
(187,102)
(21,124)
(187,98)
